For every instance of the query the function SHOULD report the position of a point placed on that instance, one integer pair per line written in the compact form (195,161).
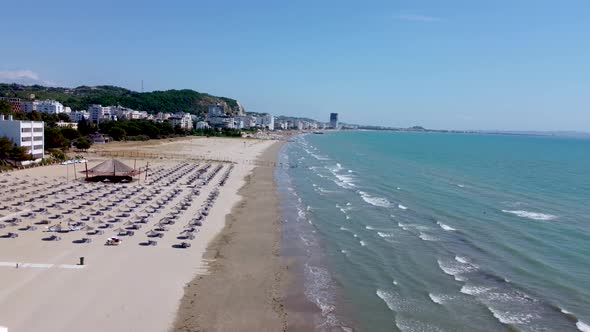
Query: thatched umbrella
(120,230)
(87,228)
(152,233)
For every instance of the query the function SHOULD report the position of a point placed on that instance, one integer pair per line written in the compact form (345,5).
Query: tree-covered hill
(152,102)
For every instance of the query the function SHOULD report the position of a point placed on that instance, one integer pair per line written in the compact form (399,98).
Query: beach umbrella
(55,228)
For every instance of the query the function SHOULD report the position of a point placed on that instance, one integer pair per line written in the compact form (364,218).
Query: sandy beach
(244,289)
(132,286)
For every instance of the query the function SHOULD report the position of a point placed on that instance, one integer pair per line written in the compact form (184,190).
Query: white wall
(29,134)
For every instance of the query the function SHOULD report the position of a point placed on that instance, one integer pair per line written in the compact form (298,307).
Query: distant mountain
(152,102)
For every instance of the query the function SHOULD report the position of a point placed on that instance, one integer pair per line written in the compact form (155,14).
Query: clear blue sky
(501,64)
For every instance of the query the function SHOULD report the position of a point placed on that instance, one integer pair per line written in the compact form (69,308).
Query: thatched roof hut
(112,170)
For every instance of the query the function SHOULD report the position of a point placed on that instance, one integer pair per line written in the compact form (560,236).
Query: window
(37,130)
(25,130)
(38,147)
(25,139)
(38,138)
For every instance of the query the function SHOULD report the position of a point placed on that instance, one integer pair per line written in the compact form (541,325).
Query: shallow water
(442,232)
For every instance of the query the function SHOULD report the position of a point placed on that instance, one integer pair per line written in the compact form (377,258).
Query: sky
(444,64)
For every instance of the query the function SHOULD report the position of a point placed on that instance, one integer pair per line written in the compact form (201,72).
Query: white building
(127,113)
(77,116)
(29,134)
(245,122)
(184,120)
(239,123)
(215,110)
(30,106)
(222,122)
(98,113)
(266,121)
(44,106)
(50,107)
(202,125)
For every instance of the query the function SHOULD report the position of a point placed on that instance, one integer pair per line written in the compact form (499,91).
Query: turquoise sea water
(441,232)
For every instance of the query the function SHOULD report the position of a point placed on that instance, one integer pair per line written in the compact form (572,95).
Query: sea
(398,231)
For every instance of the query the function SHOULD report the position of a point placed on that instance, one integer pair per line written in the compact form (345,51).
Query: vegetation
(9,151)
(58,155)
(152,102)
(83,144)
(5,107)
(118,130)
(55,139)
(225,132)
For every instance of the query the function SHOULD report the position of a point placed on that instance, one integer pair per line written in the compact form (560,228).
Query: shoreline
(244,287)
(313,298)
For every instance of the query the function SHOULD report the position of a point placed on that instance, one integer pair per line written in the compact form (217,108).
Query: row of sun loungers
(120,208)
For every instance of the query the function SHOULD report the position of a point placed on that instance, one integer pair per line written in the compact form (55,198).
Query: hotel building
(28,134)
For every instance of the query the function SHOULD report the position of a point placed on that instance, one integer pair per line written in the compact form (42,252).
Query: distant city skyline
(458,65)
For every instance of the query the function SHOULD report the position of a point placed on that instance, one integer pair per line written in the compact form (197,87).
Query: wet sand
(243,290)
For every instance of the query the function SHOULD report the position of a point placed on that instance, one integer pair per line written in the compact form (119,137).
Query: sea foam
(427,237)
(474,290)
(507,317)
(388,298)
(461,259)
(413,325)
(374,200)
(455,269)
(445,227)
(438,299)
(531,215)
(582,326)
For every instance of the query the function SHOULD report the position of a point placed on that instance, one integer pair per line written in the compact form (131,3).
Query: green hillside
(152,102)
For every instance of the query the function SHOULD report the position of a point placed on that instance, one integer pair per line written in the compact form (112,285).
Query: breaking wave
(375,200)
(531,215)
(445,227)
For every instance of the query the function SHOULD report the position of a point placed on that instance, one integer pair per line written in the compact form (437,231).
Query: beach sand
(243,291)
(120,288)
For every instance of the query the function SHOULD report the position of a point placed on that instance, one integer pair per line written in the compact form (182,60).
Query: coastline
(243,289)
